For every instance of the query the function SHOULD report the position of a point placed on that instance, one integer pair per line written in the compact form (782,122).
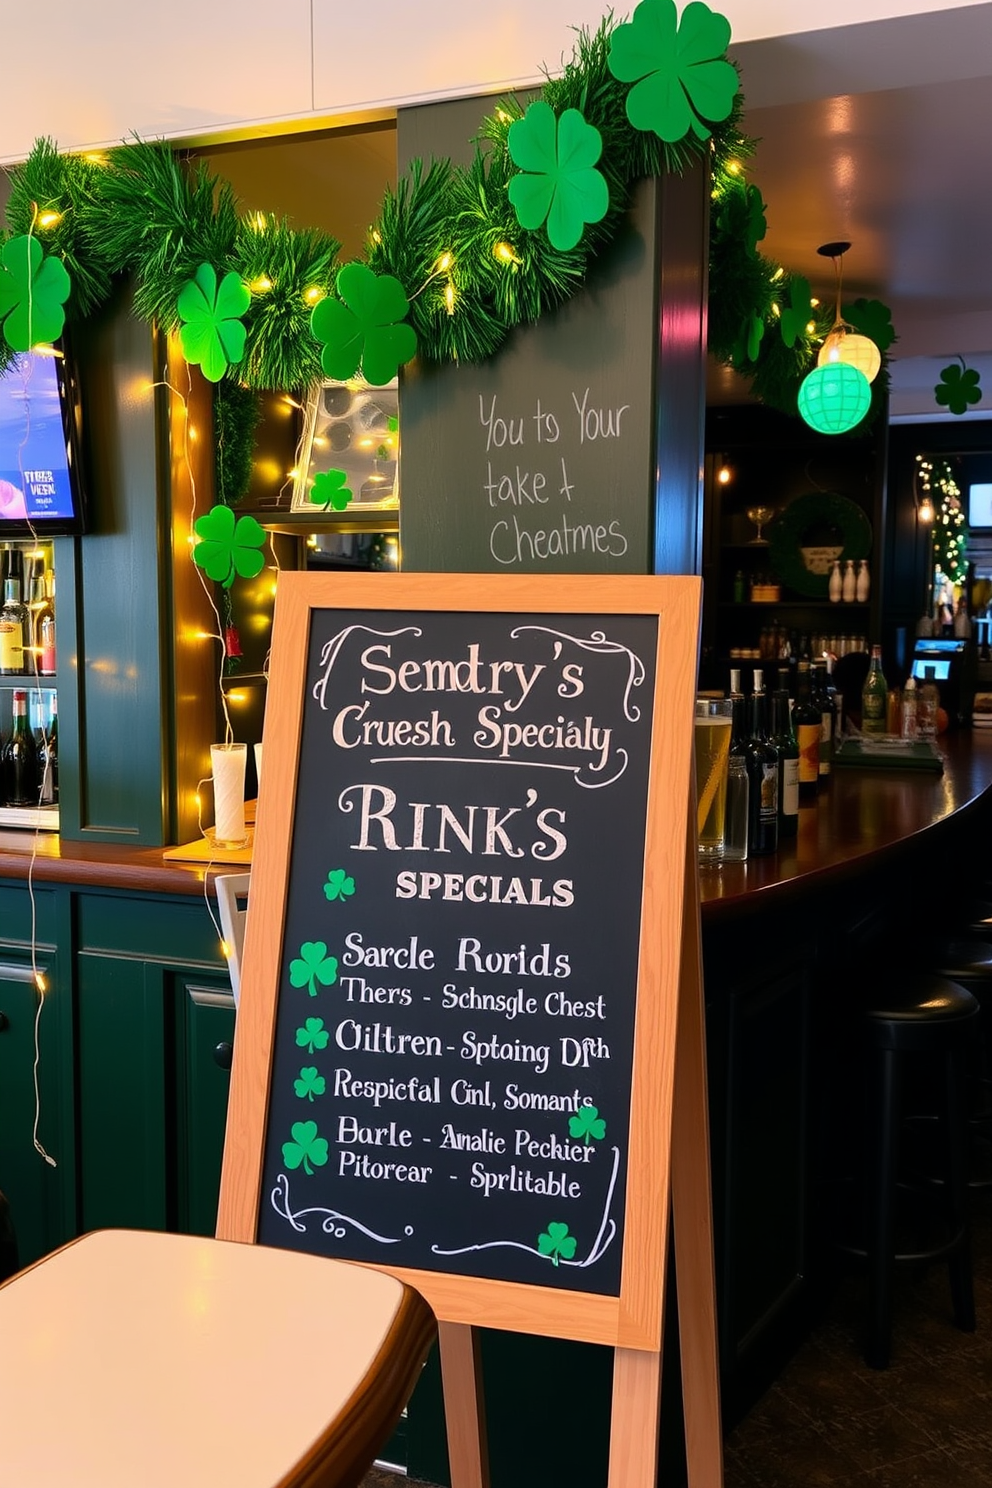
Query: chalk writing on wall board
(450,1085)
(541,472)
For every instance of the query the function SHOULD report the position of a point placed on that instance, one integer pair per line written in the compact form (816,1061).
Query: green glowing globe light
(834,397)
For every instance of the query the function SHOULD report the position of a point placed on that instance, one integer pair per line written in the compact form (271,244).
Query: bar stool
(933,1018)
(967,960)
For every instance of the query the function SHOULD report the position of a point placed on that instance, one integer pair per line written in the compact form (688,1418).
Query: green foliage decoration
(33,292)
(236,416)
(449,235)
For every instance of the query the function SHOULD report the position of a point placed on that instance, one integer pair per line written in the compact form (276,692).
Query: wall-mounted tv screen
(980,504)
(40,487)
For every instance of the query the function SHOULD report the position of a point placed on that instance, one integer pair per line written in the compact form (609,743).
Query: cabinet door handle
(223,1055)
(210,996)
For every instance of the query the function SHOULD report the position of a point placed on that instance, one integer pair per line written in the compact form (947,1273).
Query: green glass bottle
(874,696)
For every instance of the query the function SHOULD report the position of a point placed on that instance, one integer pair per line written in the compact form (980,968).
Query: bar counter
(860,820)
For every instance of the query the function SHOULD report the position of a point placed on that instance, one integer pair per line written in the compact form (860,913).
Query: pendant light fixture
(836,395)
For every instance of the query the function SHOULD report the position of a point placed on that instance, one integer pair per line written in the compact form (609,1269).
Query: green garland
(449,235)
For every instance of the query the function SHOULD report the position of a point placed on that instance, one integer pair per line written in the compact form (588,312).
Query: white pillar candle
(258,765)
(227,762)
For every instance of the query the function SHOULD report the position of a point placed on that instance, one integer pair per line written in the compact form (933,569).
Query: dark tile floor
(925,1422)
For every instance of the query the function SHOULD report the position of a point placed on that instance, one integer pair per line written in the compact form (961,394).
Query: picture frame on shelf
(350,429)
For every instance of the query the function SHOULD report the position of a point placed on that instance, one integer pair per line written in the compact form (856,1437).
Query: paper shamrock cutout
(556,1242)
(681,78)
(329,489)
(228,546)
(313,965)
(742,216)
(213,335)
(558,182)
(305,1148)
(958,388)
(795,315)
(365,329)
(749,340)
(33,290)
(872,319)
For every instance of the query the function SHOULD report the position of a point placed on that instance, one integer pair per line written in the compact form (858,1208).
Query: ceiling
(880,134)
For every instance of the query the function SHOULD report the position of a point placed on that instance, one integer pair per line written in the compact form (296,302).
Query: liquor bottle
(13,629)
(20,757)
(762,777)
(825,703)
(807,724)
(787,749)
(48,759)
(927,703)
(874,696)
(909,724)
(43,622)
(735,832)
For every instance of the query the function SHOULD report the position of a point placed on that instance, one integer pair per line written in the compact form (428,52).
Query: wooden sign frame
(666,1164)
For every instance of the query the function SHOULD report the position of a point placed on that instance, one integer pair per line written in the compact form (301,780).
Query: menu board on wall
(468,1021)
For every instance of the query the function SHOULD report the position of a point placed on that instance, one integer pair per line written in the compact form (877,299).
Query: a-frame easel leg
(692,1208)
(464,1405)
(634,1419)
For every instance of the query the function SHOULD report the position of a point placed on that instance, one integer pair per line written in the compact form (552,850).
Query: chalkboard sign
(461,966)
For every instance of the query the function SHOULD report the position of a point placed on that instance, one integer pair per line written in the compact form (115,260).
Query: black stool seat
(928,1019)
(965,958)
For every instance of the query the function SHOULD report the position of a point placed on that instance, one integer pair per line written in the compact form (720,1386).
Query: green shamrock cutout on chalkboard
(228,545)
(587,1123)
(872,319)
(313,965)
(557,1242)
(958,387)
(557,181)
(681,78)
(795,315)
(330,489)
(305,1148)
(339,885)
(312,1036)
(364,329)
(213,335)
(309,1084)
(33,290)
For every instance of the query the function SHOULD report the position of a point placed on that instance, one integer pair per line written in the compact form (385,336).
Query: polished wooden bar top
(861,816)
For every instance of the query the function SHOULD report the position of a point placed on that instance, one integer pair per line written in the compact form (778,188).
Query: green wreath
(824,509)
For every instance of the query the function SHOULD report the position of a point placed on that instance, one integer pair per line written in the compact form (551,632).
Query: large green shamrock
(305,1148)
(958,387)
(213,335)
(312,966)
(339,885)
(312,1036)
(795,315)
(742,216)
(33,290)
(557,179)
(872,319)
(681,79)
(557,1242)
(228,545)
(365,328)
(310,1083)
(330,489)
(587,1123)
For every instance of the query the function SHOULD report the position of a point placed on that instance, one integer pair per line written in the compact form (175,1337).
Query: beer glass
(714,717)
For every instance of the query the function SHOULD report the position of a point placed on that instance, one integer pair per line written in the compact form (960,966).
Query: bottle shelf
(841,608)
(42,818)
(30,682)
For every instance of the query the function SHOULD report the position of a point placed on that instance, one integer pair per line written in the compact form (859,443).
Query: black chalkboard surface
(459,970)
(464,924)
